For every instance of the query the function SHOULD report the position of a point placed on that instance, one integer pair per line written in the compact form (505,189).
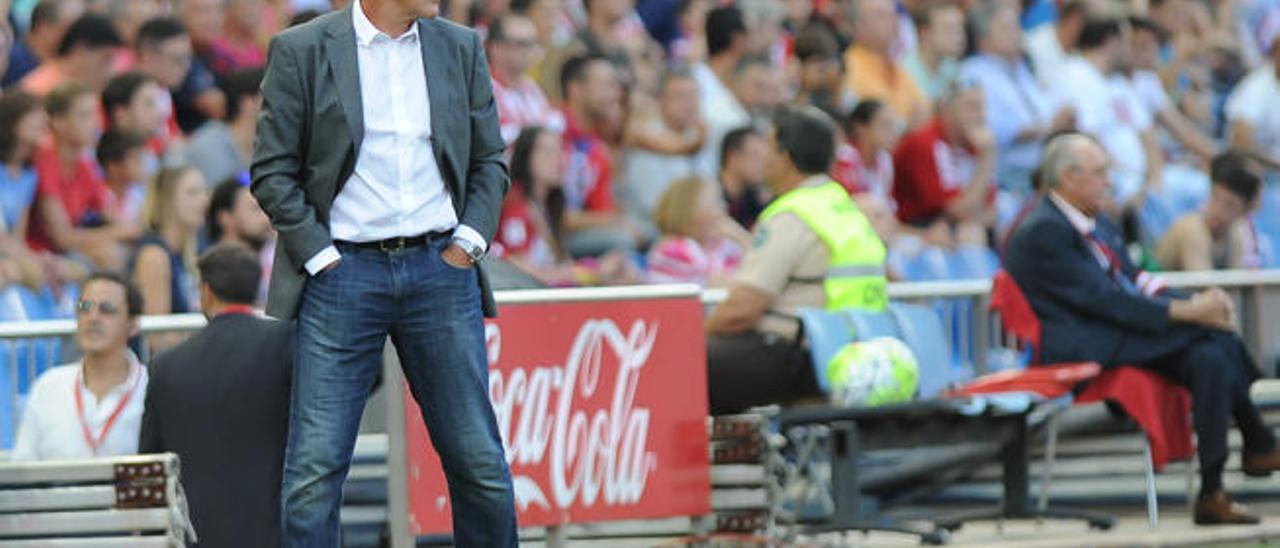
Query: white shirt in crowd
(1110,110)
(1256,101)
(53,429)
(1015,101)
(396,188)
(722,113)
(1045,53)
(647,175)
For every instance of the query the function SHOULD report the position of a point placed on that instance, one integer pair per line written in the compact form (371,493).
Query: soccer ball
(871,373)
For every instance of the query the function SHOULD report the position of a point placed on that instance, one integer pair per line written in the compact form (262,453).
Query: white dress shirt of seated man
(92,408)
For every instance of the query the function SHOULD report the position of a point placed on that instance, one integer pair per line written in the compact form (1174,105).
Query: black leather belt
(399,243)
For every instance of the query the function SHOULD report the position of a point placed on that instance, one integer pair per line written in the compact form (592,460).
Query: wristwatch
(474,252)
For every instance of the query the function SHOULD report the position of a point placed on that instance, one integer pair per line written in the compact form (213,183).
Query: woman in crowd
(531,225)
(700,242)
(164,267)
(23,124)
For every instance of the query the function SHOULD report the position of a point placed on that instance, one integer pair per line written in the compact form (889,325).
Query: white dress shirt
(1015,101)
(52,429)
(1108,109)
(396,188)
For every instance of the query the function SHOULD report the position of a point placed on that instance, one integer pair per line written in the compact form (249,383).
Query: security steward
(813,249)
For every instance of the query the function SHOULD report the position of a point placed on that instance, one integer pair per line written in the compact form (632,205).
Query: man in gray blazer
(379,161)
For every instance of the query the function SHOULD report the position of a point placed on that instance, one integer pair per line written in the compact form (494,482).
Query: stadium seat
(916,325)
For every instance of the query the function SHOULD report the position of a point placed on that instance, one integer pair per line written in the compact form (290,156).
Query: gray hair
(1061,153)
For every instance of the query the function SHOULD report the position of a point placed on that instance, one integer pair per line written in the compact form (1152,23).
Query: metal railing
(26,348)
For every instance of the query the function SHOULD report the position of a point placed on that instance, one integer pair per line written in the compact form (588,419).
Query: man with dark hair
(92,408)
(49,21)
(232,455)
(163,48)
(1094,305)
(1220,235)
(720,109)
(813,249)
(123,154)
(234,216)
(134,101)
(821,71)
(742,157)
(222,150)
(84,56)
(512,45)
(594,225)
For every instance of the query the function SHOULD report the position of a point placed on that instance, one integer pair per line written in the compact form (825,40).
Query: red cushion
(1161,408)
(1050,381)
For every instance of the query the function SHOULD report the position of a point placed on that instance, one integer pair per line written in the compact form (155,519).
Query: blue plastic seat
(918,326)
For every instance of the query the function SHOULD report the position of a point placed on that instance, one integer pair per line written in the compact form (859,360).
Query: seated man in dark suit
(220,401)
(1094,305)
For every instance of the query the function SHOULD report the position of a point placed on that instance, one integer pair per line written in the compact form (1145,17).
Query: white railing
(29,347)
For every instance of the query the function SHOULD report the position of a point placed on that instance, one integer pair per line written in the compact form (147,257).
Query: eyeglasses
(523,43)
(86,306)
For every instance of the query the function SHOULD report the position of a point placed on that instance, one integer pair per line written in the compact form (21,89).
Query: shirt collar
(135,369)
(814,181)
(366,32)
(1083,223)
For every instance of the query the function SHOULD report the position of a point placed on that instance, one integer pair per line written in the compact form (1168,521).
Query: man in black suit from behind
(1095,305)
(220,400)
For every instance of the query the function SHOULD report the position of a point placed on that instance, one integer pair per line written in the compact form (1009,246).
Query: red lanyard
(95,443)
(237,309)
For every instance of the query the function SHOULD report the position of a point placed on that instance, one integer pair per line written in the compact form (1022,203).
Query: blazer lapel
(340,45)
(435,59)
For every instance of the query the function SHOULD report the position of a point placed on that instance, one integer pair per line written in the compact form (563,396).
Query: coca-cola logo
(596,453)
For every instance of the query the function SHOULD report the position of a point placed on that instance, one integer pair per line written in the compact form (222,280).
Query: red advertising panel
(602,408)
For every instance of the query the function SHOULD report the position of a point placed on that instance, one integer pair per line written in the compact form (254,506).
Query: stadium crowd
(636,130)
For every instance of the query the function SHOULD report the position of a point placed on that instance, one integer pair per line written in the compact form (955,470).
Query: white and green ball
(870,373)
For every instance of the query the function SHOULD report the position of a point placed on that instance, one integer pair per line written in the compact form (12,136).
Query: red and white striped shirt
(520,105)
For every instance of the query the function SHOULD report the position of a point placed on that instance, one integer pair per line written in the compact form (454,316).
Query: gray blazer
(312,125)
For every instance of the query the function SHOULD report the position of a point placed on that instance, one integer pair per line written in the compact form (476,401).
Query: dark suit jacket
(1084,313)
(312,125)
(220,400)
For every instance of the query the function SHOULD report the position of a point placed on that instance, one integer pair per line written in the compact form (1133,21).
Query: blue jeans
(431,310)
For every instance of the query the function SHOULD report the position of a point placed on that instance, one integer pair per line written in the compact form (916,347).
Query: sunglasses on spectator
(106,308)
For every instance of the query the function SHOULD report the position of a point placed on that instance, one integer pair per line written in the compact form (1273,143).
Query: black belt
(399,243)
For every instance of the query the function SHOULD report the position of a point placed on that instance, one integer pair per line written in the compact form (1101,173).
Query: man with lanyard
(92,408)
(813,249)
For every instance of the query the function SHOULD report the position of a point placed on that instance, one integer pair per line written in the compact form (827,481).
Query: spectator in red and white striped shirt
(512,47)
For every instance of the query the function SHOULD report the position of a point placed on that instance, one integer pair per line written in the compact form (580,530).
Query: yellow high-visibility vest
(856,276)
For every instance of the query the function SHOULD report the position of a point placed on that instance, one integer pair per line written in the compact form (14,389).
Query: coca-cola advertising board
(602,409)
